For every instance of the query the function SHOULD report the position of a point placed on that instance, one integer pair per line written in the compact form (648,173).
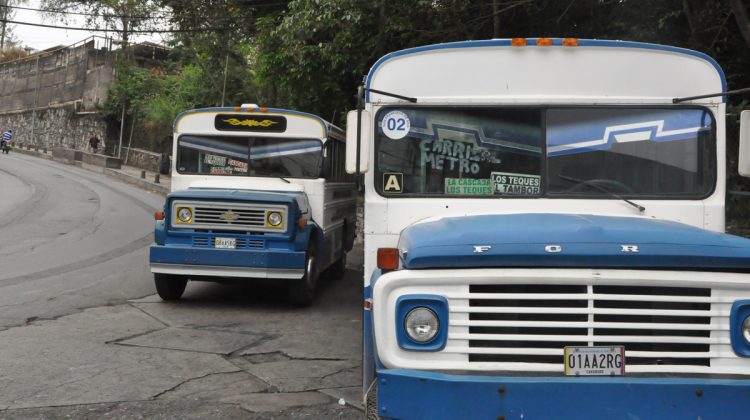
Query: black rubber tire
(169,286)
(302,291)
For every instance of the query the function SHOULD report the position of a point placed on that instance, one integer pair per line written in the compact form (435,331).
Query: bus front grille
(209,241)
(532,323)
(220,217)
(238,216)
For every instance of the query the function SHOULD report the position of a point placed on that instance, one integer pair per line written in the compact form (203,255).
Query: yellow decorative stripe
(250,123)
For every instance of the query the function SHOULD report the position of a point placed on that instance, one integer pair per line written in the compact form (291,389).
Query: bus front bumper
(270,264)
(411,394)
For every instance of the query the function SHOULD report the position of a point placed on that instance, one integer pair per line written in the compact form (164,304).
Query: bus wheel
(169,286)
(302,291)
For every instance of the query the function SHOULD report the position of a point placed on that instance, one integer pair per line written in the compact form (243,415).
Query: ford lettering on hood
(568,240)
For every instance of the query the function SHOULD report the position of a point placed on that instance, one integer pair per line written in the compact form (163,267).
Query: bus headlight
(274,218)
(421,324)
(184,214)
(746,329)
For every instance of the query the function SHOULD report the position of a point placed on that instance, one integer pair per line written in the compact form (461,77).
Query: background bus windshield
(249,156)
(533,152)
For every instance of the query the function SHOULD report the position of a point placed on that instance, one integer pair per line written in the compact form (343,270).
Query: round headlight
(274,218)
(184,215)
(421,324)
(746,329)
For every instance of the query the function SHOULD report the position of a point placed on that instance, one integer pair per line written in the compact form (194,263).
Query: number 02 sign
(395,125)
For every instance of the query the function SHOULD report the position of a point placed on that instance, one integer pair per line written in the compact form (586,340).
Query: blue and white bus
(256,193)
(544,234)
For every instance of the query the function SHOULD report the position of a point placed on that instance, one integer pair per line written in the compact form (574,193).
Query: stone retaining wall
(141,159)
(54,127)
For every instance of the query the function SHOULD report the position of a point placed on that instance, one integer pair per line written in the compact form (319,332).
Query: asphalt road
(82,334)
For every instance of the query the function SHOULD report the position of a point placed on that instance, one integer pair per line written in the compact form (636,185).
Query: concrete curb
(139,182)
(31,153)
(114,173)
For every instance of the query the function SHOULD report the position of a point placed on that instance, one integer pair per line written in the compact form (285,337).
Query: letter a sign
(393,182)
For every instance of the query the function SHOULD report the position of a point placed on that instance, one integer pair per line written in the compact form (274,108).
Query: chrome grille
(244,217)
(200,241)
(221,216)
(531,323)
(207,241)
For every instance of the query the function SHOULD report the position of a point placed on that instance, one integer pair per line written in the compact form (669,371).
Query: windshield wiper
(602,189)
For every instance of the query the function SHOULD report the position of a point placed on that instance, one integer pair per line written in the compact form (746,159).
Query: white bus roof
(299,124)
(595,71)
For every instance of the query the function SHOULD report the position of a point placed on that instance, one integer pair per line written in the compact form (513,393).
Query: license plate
(595,361)
(230,243)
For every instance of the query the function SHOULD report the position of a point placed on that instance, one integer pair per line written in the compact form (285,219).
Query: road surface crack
(186,381)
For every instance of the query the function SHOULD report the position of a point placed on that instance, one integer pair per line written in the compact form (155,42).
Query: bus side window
(326,169)
(334,162)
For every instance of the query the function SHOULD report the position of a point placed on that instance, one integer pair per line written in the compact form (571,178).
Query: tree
(121,16)
(7,13)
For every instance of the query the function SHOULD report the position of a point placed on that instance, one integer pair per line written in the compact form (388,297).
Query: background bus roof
(299,124)
(594,72)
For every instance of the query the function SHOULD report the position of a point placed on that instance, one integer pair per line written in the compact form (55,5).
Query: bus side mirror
(743,167)
(365,133)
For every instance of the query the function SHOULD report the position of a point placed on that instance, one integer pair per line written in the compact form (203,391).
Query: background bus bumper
(227,262)
(410,394)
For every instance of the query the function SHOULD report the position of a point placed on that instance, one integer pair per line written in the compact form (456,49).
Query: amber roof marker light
(544,42)
(518,42)
(570,42)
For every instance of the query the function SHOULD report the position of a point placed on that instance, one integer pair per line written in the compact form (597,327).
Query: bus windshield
(249,156)
(545,152)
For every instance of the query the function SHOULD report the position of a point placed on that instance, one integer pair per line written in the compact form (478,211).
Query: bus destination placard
(253,123)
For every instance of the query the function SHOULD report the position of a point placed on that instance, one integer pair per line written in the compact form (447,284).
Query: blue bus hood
(568,240)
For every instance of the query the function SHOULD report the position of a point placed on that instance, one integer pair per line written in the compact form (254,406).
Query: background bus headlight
(746,329)
(184,214)
(274,218)
(421,324)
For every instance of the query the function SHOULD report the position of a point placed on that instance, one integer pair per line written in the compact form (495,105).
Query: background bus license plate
(593,361)
(225,243)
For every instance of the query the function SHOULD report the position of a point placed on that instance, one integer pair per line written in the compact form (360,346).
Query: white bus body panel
(556,74)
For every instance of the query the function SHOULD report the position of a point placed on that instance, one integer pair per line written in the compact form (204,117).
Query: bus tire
(302,291)
(169,286)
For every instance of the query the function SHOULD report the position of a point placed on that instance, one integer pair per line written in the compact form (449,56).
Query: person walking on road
(5,142)
(93,142)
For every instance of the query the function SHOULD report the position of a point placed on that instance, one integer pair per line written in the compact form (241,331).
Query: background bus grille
(244,216)
(532,323)
(206,241)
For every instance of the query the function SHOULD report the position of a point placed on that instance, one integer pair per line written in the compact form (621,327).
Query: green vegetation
(310,55)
